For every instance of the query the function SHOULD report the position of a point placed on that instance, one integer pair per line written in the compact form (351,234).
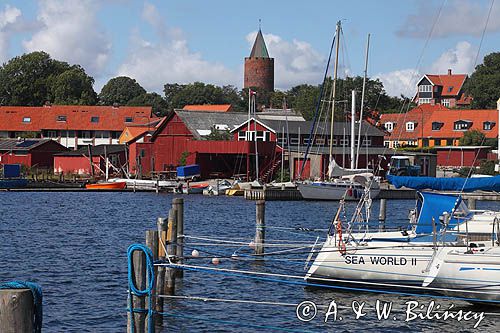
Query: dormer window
(389,126)
(94,119)
(488,125)
(410,126)
(61,118)
(128,119)
(27,120)
(436,125)
(462,125)
(450,89)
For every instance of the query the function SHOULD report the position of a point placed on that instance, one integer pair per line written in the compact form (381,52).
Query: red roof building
(209,107)
(447,90)
(32,153)
(72,125)
(434,125)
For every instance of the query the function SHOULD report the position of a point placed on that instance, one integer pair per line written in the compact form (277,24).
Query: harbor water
(74,245)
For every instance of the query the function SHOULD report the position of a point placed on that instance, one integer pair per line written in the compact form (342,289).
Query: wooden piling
(138,302)
(171,252)
(382,214)
(16,310)
(160,279)
(471,203)
(178,207)
(260,224)
(152,243)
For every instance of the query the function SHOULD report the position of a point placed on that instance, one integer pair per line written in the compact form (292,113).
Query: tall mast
(337,33)
(353,129)
(362,101)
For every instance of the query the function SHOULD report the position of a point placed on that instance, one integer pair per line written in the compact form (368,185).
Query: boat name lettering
(380,260)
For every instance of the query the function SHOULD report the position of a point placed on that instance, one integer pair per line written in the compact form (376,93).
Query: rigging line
(318,105)
(271,277)
(237,242)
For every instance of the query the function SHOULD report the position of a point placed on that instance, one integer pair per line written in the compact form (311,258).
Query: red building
(32,153)
(461,156)
(78,161)
(73,126)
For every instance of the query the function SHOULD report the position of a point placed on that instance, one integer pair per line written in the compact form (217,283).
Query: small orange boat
(106,186)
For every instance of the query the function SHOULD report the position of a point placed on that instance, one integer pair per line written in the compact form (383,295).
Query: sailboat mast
(335,69)
(353,129)
(255,138)
(362,100)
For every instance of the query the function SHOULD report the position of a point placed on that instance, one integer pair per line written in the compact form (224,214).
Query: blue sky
(158,42)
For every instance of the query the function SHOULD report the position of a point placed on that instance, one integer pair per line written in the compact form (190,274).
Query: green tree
(154,100)
(484,84)
(27,79)
(73,86)
(218,135)
(305,98)
(472,138)
(121,90)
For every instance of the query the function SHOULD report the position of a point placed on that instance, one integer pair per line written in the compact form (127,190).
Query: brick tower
(259,67)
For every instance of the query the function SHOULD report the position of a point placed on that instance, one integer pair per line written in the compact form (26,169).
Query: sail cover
(447,184)
(431,206)
(335,170)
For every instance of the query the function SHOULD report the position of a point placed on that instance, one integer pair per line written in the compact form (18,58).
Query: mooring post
(16,310)
(260,224)
(471,203)
(138,302)
(160,280)
(152,243)
(178,206)
(171,252)
(381,215)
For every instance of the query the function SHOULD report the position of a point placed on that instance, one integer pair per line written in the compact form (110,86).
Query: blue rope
(36,290)
(132,288)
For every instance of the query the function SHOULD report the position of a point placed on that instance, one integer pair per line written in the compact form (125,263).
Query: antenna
(260,21)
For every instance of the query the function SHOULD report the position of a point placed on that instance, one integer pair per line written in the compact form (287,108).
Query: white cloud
(70,32)
(9,16)
(399,82)
(458,17)
(169,60)
(460,59)
(296,62)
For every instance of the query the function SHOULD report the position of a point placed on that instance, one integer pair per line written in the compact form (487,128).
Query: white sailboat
(400,257)
(343,188)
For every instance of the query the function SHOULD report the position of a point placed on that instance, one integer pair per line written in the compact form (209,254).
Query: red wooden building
(78,161)
(184,137)
(461,156)
(37,153)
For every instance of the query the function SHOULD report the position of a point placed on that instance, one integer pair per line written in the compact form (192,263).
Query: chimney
(449,71)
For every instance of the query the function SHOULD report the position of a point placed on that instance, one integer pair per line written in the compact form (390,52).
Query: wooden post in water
(138,302)
(16,310)
(260,224)
(152,243)
(471,203)
(381,215)
(160,279)
(171,252)
(178,207)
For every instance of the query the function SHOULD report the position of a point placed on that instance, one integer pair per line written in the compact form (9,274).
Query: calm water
(74,245)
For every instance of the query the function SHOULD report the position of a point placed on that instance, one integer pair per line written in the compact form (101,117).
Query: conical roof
(259,49)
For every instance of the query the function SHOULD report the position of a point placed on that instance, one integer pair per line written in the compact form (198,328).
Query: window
(436,125)
(94,119)
(449,142)
(52,134)
(450,89)
(488,125)
(424,100)
(344,142)
(249,135)
(306,141)
(367,142)
(462,125)
(242,135)
(410,126)
(84,135)
(425,142)
(115,134)
(282,141)
(68,134)
(129,119)
(27,120)
(320,141)
(334,141)
(425,88)
(437,142)
(61,118)
(445,102)
(389,126)
(294,141)
(143,153)
(101,134)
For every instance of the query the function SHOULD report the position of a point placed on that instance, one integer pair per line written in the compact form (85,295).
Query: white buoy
(234,255)
(252,244)
(215,261)
(195,253)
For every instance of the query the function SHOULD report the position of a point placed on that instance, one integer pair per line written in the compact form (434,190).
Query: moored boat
(106,186)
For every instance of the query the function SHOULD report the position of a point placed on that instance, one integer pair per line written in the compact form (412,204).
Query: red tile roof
(426,114)
(452,83)
(78,117)
(209,107)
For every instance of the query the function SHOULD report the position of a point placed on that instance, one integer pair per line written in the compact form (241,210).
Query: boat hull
(13,183)
(333,191)
(106,186)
